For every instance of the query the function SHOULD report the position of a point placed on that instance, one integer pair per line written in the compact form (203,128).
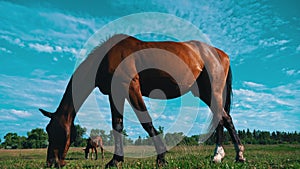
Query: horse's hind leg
(137,103)
(203,91)
(219,152)
(214,93)
(239,148)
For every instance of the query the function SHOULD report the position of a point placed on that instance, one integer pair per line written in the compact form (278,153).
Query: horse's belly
(160,85)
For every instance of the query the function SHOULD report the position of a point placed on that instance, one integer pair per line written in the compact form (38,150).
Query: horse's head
(59,137)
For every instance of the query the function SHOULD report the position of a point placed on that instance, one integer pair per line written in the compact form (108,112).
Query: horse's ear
(45,113)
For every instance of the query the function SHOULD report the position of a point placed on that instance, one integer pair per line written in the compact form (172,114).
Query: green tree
(12,140)
(138,142)
(190,141)
(95,133)
(126,140)
(79,140)
(111,138)
(36,138)
(249,137)
(148,141)
(23,141)
(160,130)
(104,137)
(172,139)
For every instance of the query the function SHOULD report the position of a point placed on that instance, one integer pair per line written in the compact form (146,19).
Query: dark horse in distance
(93,143)
(126,68)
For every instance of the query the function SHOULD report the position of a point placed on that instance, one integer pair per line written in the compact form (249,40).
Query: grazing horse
(126,68)
(93,143)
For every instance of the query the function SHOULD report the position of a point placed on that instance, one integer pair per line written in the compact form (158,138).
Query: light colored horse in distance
(93,143)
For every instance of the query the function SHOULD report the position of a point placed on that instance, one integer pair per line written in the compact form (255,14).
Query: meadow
(258,156)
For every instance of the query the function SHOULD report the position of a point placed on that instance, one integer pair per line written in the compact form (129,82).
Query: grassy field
(258,156)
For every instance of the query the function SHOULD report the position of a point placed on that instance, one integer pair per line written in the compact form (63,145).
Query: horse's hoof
(161,163)
(240,160)
(219,154)
(111,163)
(60,164)
(240,154)
(217,158)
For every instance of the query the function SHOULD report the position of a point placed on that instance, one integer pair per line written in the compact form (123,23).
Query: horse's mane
(109,42)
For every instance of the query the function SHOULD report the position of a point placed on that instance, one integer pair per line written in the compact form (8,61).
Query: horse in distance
(93,143)
(126,68)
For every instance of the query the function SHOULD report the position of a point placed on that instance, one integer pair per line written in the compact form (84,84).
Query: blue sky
(40,42)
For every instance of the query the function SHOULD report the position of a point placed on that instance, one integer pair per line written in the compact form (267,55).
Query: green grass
(257,156)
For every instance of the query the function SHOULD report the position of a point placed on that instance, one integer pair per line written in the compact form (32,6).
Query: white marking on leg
(219,154)
(239,152)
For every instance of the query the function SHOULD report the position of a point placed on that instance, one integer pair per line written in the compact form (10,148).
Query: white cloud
(37,46)
(41,48)
(172,118)
(20,113)
(260,98)
(254,85)
(272,108)
(15,41)
(20,94)
(58,49)
(39,73)
(155,115)
(69,40)
(5,50)
(5,115)
(70,50)
(70,20)
(291,72)
(49,49)
(19,42)
(272,42)
(298,48)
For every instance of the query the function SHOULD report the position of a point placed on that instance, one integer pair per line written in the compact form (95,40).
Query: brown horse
(93,143)
(125,68)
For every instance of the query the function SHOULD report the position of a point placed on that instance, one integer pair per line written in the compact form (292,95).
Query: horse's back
(96,141)
(172,67)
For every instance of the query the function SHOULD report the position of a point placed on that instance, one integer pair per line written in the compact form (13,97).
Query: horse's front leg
(96,153)
(117,107)
(137,103)
(102,153)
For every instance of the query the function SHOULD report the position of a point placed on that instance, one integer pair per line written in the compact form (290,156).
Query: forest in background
(38,138)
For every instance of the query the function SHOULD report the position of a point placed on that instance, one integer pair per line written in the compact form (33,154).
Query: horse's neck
(66,105)
(82,82)
(78,89)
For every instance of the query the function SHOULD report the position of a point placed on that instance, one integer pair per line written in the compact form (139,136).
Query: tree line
(38,138)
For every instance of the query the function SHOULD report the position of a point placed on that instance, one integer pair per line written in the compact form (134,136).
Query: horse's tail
(228,91)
